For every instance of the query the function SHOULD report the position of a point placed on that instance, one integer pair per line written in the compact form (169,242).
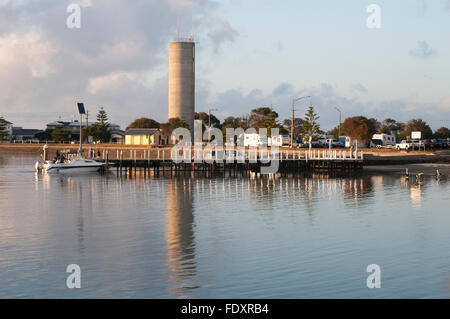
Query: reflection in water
(416,195)
(273,236)
(180,234)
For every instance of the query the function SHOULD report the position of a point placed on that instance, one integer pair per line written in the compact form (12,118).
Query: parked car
(442,144)
(315,144)
(405,145)
(418,144)
(429,144)
(335,142)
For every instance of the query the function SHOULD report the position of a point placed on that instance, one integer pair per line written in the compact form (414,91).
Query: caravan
(382,140)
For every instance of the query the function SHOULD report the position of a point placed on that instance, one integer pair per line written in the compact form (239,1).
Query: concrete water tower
(182,80)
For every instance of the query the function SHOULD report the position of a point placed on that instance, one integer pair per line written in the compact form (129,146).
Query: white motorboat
(75,166)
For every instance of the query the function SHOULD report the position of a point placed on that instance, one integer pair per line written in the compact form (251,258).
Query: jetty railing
(228,155)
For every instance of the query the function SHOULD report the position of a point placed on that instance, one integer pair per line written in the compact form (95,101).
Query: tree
(144,122)
(416,125)
(298,126)
(173,123)
(311,127)
(359,128)
(204,117)
(60,135)
(376,124)
(391,126)
(102,117)
(45,135)
(334,131)
(3,131)
(98,132)
(442,133)
(234,122)
(264,117)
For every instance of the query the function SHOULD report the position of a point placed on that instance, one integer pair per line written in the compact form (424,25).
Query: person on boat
(57,157)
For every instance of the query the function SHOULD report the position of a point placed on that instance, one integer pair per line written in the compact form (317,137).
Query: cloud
(283,89)
(117,59)
(359,88)
(447,4)
(325,97)
(444,105)
(423,50)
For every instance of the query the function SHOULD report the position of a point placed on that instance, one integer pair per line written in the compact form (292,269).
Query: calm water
(221,237)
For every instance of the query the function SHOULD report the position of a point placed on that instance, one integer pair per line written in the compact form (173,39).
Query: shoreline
(381,161)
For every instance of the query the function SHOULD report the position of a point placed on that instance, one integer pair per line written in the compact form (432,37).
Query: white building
(8,127)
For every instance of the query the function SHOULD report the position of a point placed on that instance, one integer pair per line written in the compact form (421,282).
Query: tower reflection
(180,235)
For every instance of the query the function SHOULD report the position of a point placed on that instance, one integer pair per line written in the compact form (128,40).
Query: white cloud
(444,105)
(423,50)
(46,67)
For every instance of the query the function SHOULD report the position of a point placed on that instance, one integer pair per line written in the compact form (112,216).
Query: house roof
(77,124)
(141,131)
(26,132)
(5,121)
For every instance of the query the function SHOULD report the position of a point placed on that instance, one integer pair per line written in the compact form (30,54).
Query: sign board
(416,135)
(81,109)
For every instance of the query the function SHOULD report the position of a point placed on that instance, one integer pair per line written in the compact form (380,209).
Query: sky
(250,53)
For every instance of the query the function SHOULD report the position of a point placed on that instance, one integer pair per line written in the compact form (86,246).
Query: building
(118,137)
(182,80)
(8,127)
(21,134)
(144,136)
(74,127)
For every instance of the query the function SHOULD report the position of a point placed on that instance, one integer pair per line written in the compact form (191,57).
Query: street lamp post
(293,117)
(340,120)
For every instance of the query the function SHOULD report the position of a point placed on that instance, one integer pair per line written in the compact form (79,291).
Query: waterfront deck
(133,161)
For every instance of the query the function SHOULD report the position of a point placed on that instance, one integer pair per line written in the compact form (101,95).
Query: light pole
(293,117)
(340,121)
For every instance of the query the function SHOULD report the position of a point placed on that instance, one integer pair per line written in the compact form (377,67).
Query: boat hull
(72,169)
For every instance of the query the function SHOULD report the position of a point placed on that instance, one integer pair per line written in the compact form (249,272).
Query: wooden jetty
(132,162)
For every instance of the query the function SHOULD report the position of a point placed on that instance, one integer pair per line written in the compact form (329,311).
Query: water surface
(175,237)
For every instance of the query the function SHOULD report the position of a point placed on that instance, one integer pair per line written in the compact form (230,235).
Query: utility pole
(293,117)
(292,125)
(87,118)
